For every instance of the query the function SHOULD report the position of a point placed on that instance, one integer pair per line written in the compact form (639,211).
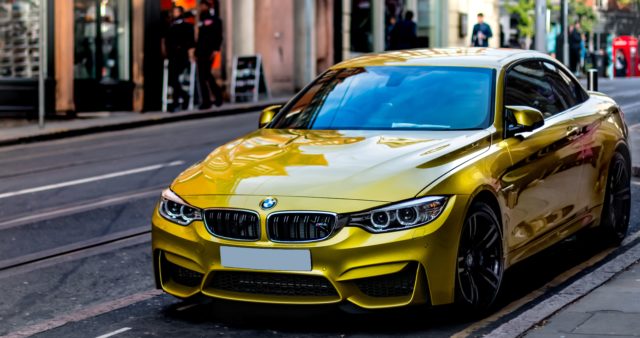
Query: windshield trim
(489,121)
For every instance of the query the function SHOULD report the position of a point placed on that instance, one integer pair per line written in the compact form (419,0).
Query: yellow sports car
(400,178)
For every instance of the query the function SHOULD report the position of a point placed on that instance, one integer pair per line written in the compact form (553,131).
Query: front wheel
(480,264)
(617,201)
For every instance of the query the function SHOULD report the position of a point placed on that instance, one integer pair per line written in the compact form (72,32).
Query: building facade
(105,55)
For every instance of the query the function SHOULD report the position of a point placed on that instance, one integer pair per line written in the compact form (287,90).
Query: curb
(527,320)
(194,115)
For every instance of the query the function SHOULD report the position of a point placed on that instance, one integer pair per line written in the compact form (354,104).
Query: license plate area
(265,259)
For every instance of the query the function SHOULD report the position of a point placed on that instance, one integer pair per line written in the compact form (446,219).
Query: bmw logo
(268,203)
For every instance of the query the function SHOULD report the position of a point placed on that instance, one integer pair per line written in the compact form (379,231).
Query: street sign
(247,79)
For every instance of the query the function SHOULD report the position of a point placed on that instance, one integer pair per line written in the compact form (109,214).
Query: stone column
(305,42)
(377,20)
(137,49)
(64,51)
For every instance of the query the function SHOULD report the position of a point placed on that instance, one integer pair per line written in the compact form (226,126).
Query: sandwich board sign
(247,79)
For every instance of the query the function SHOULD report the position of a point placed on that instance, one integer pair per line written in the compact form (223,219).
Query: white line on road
(186,307)
(627,107)
(91,179)
(124,329)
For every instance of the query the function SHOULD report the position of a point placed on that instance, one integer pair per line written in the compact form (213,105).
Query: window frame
(508,68)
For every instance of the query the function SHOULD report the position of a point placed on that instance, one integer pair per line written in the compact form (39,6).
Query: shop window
(102,40)
(19,38)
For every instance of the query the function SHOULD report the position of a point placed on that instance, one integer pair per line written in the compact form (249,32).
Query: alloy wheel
(618,199)
(480,264)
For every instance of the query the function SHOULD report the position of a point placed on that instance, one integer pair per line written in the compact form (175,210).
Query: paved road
(92,198)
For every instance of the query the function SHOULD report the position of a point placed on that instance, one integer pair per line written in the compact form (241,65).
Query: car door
(540,186)
(584,131)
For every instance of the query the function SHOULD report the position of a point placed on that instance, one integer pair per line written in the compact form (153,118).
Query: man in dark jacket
(575,39)
(481,33)
(179,44)
(404,33)
(209,42)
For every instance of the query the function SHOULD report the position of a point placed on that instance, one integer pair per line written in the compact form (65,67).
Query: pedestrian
(404,33)
(575,40)
(179,44)
(621,64)
(209,42)
(481,33)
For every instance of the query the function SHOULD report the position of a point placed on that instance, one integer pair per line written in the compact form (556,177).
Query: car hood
(365,165)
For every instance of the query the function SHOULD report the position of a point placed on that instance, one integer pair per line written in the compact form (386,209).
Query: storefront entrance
(102,55)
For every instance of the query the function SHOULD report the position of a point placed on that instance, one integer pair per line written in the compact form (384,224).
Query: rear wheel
(480,264)
(617,201)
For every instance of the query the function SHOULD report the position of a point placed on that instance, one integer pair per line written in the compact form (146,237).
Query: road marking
(186,307)
(91,179)
(124,329)
(83,314)
(558,280)
(74,209)
(627,107)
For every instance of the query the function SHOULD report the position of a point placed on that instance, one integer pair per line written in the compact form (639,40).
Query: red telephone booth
(628,47)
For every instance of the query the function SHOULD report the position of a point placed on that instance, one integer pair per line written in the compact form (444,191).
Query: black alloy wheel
(617,201)
(480,263)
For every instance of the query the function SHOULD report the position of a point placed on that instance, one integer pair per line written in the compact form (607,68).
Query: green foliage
(587,17)
(525,10)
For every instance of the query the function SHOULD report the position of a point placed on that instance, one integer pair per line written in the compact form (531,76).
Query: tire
(480,262)
(617,201)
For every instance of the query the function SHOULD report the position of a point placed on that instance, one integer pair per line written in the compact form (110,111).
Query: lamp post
(541,26)
(42,71)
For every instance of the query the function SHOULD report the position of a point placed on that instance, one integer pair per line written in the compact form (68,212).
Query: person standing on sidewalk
(404,33)
(575,39)
(481,33)
(179,45)
(209,42)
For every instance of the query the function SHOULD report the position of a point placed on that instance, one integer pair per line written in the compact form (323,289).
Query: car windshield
(393,98)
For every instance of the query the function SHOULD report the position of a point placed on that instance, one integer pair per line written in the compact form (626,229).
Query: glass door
(102,40)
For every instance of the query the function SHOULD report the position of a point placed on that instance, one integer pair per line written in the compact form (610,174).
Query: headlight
(174,209)
(400,216)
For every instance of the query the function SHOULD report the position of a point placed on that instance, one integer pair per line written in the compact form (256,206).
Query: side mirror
(268,114)
(526,118)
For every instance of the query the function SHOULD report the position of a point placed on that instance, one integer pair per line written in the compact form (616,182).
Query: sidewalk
(15,131)
(611,310)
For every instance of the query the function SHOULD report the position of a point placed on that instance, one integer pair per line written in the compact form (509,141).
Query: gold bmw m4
(410,177)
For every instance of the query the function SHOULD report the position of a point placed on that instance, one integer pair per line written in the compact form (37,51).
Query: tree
(525,11)
(584,14)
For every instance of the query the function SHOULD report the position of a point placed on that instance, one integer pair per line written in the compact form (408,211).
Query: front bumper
(413,266)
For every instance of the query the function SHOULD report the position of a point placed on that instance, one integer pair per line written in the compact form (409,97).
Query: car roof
(456,57)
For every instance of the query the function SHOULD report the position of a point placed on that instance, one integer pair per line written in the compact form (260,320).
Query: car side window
(526,85)
(567,90)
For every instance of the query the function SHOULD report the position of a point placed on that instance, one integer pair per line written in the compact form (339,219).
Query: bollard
(592,80)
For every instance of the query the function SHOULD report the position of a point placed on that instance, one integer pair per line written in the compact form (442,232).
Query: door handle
(573,131)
